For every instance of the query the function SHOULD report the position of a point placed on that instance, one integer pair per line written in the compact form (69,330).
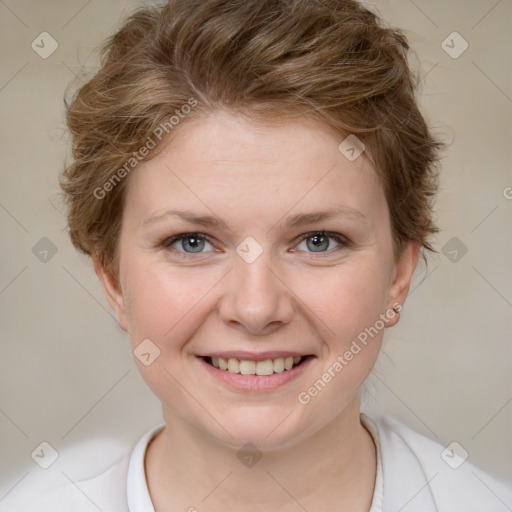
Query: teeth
(265,367)
(233,365)
(245,367)
(279,365)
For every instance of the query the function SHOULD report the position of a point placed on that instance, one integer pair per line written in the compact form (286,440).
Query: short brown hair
(332,59)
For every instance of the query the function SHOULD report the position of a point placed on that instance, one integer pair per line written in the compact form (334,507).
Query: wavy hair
(267,59)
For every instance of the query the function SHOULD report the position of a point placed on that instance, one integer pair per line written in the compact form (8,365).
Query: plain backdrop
(67,374)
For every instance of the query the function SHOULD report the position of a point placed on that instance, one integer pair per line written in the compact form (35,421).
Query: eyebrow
(293,221)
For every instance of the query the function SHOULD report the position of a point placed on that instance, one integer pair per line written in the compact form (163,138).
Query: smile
(255,372)
(251,367)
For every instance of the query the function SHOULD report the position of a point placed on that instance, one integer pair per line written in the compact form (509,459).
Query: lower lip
(256,382)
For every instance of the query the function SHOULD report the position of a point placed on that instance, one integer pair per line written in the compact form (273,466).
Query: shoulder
(106,492)
(98,474)
(86,477)
(418,470)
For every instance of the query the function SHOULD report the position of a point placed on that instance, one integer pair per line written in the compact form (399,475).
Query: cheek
(346,298)
(165,303)
(347,303)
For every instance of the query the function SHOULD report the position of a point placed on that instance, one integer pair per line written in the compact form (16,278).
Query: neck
(334,468)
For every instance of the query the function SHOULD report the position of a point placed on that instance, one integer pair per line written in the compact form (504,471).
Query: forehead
(224,159)
(223,138)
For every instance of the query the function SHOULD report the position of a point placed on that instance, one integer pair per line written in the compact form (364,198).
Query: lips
(264,378)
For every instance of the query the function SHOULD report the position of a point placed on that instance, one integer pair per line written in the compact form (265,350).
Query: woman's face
(253,280)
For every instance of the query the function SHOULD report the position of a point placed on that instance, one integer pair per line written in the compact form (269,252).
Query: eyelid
(328,234)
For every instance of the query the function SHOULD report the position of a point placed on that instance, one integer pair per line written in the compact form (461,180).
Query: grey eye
(317,243)
(195,243)
(189,243)
(321,242)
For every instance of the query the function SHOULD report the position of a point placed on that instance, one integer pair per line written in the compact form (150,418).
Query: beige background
(66,371)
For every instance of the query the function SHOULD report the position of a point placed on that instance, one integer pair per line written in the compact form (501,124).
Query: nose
(257,299)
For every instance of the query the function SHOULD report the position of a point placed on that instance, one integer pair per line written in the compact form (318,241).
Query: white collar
(402,485)
(406,486)
(137,490)
(378,491)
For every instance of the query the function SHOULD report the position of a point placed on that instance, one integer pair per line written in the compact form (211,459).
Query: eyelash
(340,239)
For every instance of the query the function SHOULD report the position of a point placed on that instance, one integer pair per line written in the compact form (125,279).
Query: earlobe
(402,281)
(112,291)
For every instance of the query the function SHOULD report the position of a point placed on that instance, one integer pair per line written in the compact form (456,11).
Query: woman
(253,182)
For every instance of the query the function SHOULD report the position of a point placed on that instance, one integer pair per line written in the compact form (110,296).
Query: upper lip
(253,356)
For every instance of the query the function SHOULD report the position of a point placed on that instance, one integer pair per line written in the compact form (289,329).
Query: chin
(268,428)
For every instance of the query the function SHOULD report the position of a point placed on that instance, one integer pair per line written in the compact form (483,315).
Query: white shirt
(414,474)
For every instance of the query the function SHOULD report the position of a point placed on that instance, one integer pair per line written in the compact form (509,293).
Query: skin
(292,297)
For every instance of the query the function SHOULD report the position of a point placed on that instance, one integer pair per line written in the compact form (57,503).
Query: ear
(404,270)
(112,291)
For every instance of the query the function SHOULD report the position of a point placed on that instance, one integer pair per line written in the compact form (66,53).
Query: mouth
(259,368)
